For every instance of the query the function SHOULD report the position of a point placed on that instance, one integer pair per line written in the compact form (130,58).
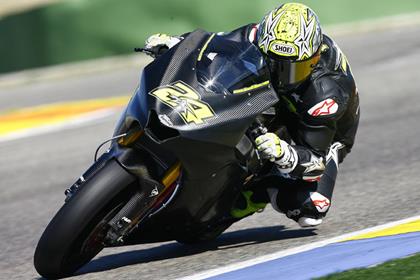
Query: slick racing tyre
(76,233)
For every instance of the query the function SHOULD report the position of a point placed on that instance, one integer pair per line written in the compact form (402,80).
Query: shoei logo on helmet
(283,49)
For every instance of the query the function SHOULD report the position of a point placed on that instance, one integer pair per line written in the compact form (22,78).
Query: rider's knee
(309,211)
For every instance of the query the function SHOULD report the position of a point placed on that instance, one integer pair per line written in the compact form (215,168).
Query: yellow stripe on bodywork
(400,229)
(253,87)
(33,117)
(205,47)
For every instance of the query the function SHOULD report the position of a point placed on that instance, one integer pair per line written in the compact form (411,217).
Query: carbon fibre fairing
(173,88)
(195,104)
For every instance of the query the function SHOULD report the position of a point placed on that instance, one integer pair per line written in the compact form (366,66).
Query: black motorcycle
(181,154)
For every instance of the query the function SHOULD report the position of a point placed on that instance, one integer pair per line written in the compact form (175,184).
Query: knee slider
(317,205)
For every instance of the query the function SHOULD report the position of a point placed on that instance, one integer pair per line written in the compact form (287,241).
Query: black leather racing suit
(321,117)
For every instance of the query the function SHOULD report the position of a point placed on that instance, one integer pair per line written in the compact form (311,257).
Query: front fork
(143,204)
(133,212)
(150,196)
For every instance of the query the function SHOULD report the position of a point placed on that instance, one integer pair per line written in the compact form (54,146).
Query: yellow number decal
(185,101)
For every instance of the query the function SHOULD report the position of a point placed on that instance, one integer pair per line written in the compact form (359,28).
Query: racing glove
(268,146)
(271,147)
(159,43)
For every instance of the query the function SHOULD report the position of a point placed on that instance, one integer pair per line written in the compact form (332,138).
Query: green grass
(401,269)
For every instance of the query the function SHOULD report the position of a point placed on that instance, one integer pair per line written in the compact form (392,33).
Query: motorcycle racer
(319,106)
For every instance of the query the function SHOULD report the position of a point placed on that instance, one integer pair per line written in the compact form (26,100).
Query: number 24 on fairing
(186,101)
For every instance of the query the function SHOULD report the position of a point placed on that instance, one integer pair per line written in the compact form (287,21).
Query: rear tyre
(76,233)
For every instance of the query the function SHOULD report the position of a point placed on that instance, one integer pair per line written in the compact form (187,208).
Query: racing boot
(246,204)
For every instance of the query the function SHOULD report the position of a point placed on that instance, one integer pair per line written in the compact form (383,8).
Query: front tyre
(76,233)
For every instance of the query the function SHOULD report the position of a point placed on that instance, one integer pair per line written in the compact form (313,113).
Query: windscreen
(229,67)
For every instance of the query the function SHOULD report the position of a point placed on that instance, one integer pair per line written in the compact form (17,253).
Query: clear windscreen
(228,67)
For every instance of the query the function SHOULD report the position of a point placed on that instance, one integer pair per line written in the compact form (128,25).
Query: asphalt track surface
(378,182)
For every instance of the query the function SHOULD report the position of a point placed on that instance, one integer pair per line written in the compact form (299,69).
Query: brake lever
(143,50)
(257,129)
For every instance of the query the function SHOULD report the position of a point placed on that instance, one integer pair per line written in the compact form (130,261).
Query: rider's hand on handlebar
(158,43)
(268,146)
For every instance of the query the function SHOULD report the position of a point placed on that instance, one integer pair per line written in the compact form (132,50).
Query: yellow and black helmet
(290,37)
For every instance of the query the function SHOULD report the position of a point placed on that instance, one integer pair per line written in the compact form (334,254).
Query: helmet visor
(286,72)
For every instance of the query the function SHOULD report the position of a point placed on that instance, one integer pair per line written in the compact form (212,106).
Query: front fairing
(206,88)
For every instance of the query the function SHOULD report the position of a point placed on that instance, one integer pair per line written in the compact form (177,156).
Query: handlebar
(255,130)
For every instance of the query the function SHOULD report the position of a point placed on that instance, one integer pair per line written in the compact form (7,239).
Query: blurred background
(36,33)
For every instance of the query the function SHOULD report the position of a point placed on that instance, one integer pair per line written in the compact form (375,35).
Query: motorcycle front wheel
(76,233)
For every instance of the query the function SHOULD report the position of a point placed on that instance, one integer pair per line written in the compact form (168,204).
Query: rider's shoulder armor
(330,88)
(326,99)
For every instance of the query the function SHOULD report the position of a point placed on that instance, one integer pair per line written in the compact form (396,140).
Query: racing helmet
(290,38)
